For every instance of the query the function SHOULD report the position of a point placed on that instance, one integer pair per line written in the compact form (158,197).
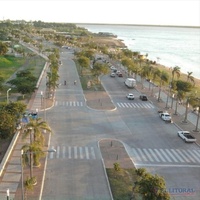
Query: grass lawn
(121,183)
(9,64)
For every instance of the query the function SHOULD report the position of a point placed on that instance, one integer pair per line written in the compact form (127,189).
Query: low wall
(8,152)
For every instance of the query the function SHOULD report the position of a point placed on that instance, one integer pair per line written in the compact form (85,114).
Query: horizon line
(181,26)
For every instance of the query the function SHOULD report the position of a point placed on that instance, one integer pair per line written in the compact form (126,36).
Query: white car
(113,68)
(112,75)
(118,72)
(186,136)
(130,96)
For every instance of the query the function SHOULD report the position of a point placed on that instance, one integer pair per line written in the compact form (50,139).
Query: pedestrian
(75,82)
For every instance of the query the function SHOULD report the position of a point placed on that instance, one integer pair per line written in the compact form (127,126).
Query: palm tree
(176,71)
(155,75)
(190,78)
(163,79)
(35,129)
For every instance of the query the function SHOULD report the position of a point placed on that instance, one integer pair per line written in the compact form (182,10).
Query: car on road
(112,75)
(130,96)
(113,68)
(117,72)
(120,75)
(143,97)
(186,136)
(165,116)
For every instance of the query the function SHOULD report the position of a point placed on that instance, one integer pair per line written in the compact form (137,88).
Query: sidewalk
(11,176)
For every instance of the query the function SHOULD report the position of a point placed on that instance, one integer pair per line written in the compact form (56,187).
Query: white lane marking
(148,155)
(57,151)
(136,155)
(177,155)
(188,156)
(159,155)
(81,152)
(154,155)
(75,152)
(92,152)
(69,152)
(63,151)
(181,154)
(87,152)
(142,155)
(164,154)
(171,155)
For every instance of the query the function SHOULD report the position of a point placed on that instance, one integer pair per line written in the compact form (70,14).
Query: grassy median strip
(121,183)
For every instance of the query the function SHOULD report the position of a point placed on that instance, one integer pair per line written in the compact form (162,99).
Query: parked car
(130,96)
(120,75)
(143,97)
(186,136)
(112,75)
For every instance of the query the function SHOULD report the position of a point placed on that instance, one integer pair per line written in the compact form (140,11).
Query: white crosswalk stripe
(165,155)
(135,105)
(73,152)
(69,103)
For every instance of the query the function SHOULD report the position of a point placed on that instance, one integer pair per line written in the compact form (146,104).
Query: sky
(149,12)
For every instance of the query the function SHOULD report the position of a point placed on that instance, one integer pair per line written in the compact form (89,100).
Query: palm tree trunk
(31,157)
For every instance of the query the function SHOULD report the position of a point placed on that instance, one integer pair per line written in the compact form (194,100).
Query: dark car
(143,97)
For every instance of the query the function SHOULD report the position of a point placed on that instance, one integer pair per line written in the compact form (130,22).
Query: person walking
(75,82)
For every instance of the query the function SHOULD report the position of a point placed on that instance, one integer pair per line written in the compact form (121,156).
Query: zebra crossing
(178,156)
(70,103)
(135,105)
(73,152)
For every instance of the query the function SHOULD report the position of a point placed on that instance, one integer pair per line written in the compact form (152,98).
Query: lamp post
(8,194)
(22,173)
(8,95)
(197,123)
(44,99)
(41,98)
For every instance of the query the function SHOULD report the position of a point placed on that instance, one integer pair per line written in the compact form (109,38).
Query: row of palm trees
(33,151)
(37,127)
(139,66)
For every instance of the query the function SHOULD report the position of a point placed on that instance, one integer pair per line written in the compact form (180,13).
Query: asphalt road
(75,171)
(153,144)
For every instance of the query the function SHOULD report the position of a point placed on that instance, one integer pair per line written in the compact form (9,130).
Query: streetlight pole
(8,194)
(22,173)
(8,95)
(41,98)
(44,106)
(197,123)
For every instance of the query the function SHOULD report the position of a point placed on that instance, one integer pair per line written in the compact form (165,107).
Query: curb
(104,168)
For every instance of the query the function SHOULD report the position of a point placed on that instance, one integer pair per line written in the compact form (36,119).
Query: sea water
(169,46)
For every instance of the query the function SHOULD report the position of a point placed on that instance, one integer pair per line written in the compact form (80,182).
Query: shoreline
(166,59)
(159,65)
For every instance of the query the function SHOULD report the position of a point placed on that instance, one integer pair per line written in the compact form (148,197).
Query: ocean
(169,46)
